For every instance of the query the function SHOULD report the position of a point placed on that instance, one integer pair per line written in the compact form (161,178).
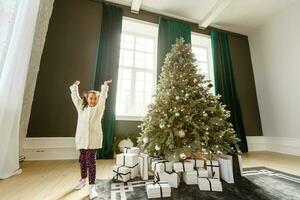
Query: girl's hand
(77,83)
(107,82)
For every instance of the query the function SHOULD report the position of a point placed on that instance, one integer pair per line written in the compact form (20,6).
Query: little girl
(89,135)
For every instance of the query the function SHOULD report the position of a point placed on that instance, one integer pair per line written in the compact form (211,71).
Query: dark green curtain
(225,83)
(168,31)
(106,67)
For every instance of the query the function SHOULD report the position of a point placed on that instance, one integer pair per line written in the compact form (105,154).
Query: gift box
(197,163)
(134,171)
(183,166)
(151,160)
(209,184)
(158,190)
(128,160)
(143,164)
(161,166)
(191,178)
(172,178)
(133,150)
(213,169)
(121,173)
(226,169)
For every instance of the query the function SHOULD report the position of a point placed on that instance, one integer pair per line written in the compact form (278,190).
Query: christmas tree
(185,119)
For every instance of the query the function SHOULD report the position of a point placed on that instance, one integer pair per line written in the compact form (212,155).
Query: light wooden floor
(43,180)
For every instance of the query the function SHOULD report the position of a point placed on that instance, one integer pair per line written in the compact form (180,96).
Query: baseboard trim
(50,148)
(274,144)
(63,148)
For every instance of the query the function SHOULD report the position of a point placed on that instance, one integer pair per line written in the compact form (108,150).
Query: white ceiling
(240,16)
(243,16)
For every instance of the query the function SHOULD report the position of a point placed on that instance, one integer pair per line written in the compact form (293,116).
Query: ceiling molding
(216,10)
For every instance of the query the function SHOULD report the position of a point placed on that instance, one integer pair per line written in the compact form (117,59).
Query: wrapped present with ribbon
(143,164)
(226,168)
(134,171)
(197,163)
(121,173)
(158,189)
(151,160)
(172,178)
(183,166)
(210,184)
(191,178)
(161,166)
(213,169)
(132,150)
(128,159)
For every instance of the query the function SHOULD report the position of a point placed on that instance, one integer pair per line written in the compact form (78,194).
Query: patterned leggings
(88,164)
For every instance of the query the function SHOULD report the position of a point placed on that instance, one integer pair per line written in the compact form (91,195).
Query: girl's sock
(81,184)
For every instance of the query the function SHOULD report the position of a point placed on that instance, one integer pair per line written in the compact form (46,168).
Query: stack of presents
(167,174)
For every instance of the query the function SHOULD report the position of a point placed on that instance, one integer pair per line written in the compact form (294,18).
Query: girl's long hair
(85,96)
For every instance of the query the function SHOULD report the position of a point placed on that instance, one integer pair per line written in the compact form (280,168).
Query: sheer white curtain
(12,85)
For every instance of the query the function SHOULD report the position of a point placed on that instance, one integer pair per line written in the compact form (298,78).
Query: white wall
(275,52)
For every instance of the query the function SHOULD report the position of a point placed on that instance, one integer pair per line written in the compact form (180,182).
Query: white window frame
(210,67)
(134,70)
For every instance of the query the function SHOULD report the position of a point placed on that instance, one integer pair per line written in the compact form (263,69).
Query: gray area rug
(258,183)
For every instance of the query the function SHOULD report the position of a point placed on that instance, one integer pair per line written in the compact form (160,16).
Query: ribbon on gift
(119,174)
(211,167)
(169,172)
(182,162)
(156,158)
(158,162)
(157,182)
(124,159)
(210,188)
(126,149)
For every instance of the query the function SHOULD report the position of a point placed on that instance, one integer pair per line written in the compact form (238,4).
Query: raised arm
(103,94)
(75,95)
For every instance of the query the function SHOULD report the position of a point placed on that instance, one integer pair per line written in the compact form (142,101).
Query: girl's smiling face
(92,99)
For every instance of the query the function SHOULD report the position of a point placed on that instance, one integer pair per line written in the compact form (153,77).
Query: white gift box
(158,190)
(191,178)
(202,173)
(133,150)
(143,164)
(226,168)
(172,178)
(197,163)
(121,173)
(151,160)
(209,184)
(183,166)
(129,160)
(134,171)
(161,166)
(213,169)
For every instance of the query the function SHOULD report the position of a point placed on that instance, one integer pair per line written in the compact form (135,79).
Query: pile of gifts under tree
(204,173)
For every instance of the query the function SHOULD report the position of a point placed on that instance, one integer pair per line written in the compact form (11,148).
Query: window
(8,11)
(201,47)
(137,69)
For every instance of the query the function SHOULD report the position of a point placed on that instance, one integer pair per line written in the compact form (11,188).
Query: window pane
(140,76)
(139,86)
(126,74)
(136,71)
